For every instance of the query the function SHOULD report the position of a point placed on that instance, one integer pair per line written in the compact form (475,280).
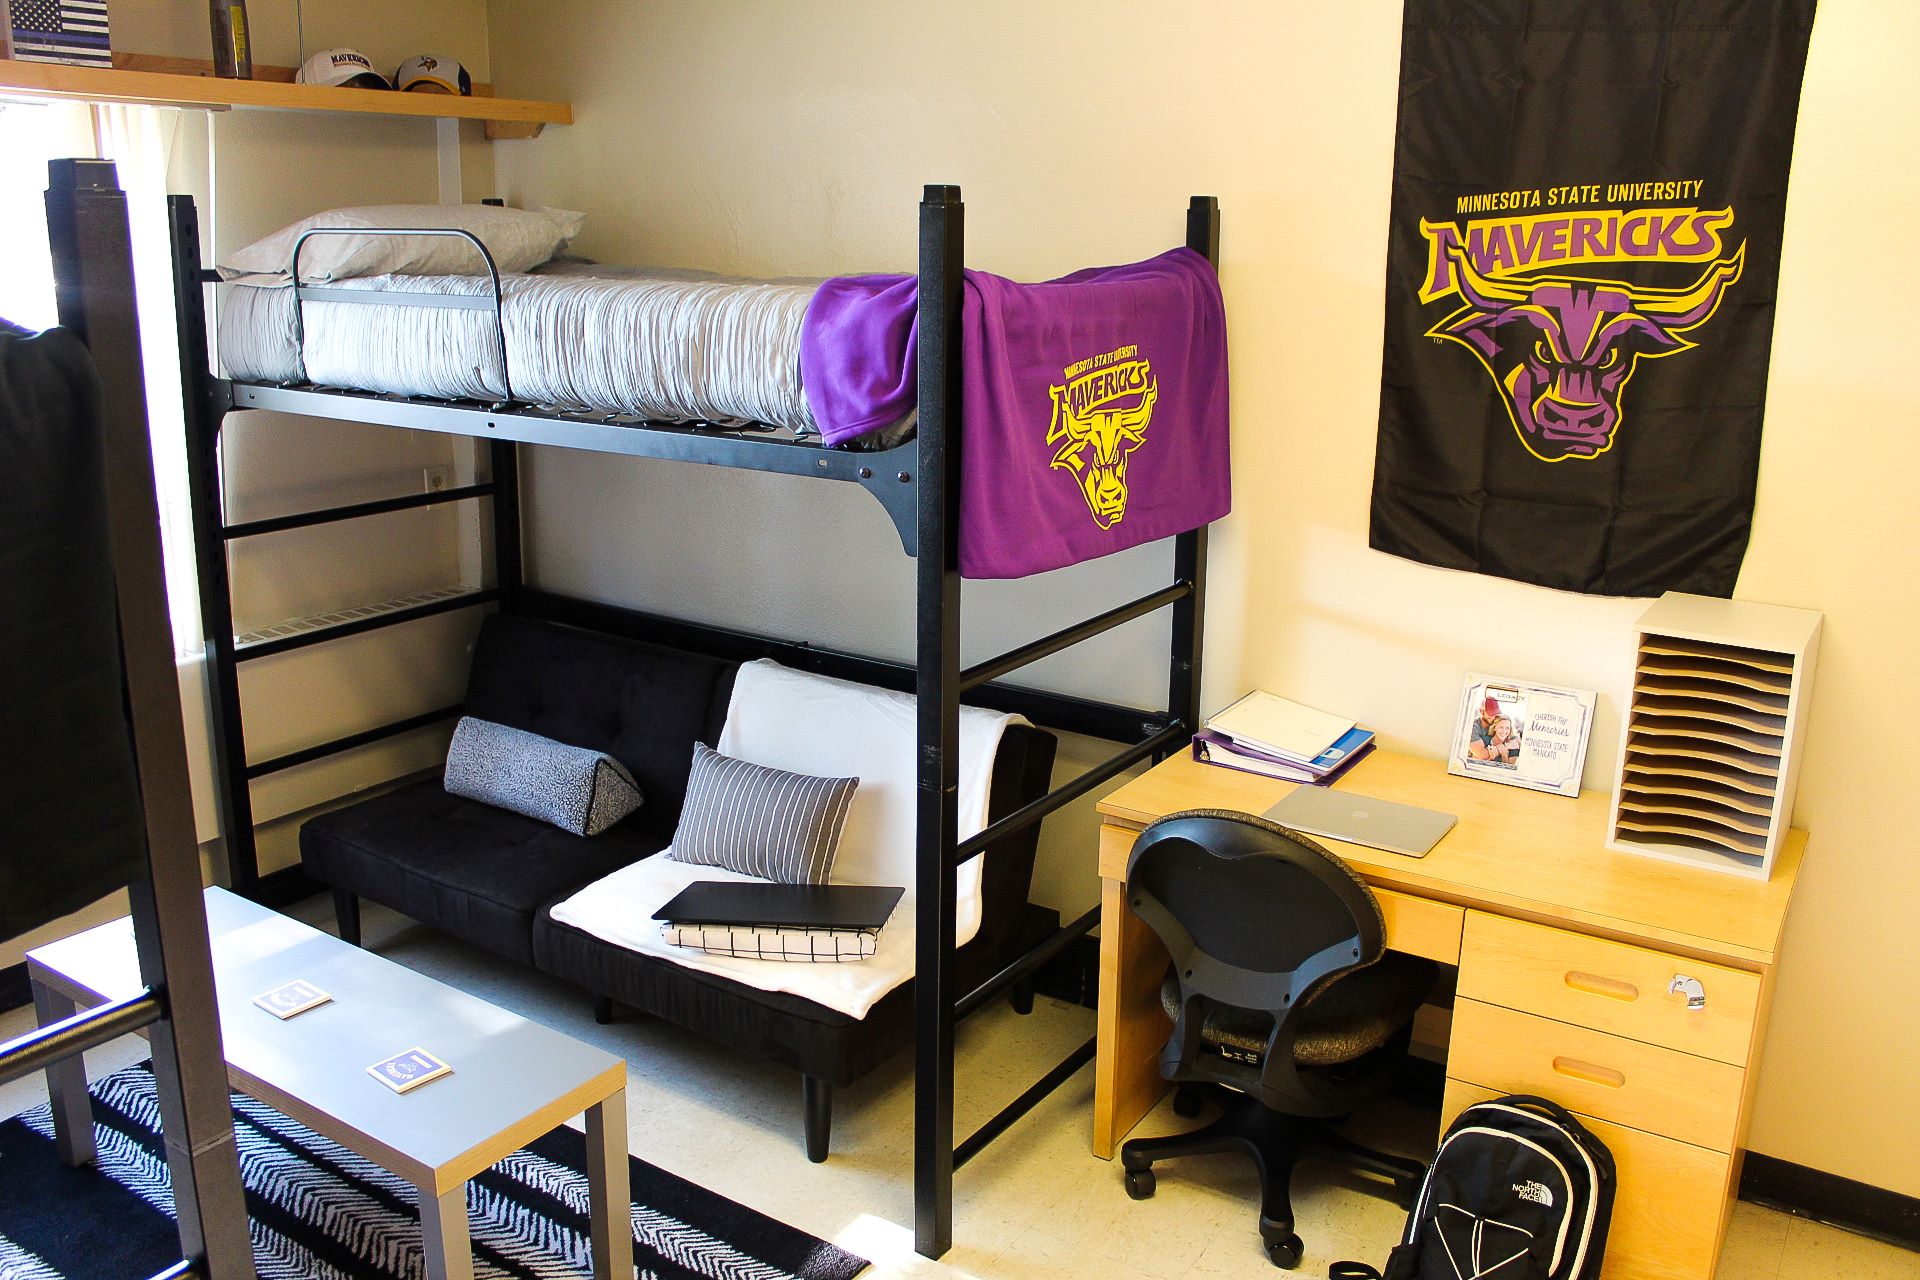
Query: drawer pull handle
(1691,988)
(1579,1070)
(1595,985)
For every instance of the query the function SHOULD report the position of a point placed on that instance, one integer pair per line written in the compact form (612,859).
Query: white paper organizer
(1715,721)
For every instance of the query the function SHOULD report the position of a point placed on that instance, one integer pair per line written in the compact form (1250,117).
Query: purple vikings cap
(426,73)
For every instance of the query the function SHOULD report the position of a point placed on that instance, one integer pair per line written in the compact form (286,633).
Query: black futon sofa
(489,876)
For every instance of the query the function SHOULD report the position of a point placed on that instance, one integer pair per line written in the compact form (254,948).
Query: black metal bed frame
(916,482)
(93,271)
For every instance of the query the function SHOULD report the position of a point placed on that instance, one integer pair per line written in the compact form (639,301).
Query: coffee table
(512,1079)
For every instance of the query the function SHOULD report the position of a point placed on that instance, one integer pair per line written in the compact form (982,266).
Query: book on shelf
(1210,747)
(1279,728)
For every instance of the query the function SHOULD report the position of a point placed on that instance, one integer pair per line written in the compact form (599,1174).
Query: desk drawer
(1609,986)
(1659,1090)
(1669,1203)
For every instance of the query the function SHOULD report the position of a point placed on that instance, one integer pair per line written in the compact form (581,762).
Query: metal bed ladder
(93,268)
(210,401)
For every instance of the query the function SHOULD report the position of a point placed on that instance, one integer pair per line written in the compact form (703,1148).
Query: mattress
(663,344)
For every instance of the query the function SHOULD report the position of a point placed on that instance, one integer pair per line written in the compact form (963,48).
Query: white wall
(795,137)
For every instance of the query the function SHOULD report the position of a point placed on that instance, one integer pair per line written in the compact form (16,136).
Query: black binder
(782,906)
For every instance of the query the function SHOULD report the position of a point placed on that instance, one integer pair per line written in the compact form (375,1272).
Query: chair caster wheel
(1187,1101)
(1140,1184)
(1286,1253)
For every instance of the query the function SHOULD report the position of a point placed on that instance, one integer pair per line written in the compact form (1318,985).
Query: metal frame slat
(1030,962)
(1067,793)
(1027,654)
(333,515)
(359,626)
(1013,1111)
(887,474)
(365,737)
(1107,720)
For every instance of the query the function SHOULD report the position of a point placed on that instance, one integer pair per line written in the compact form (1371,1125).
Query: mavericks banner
(1585,237)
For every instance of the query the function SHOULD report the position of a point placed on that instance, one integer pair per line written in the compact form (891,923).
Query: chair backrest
(1254,916)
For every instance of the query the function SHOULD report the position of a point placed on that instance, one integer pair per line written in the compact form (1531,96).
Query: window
(142,141)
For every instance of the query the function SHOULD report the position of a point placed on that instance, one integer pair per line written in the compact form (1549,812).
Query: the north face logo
(1534,1193)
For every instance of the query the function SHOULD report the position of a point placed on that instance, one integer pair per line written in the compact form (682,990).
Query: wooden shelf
(505,117)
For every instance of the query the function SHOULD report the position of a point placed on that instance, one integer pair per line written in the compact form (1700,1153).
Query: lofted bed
(913,469)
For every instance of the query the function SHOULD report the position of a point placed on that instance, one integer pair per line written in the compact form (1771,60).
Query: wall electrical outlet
(436,479)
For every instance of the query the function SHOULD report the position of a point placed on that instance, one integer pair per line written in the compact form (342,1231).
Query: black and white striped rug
(319,1211)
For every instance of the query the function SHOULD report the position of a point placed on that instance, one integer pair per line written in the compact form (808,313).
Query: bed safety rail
(305,293)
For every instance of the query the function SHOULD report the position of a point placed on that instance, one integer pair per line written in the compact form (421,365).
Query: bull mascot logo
(1562,349)
(1099,419)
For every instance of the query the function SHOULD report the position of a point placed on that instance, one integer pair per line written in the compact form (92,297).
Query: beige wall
(267,169)
(386,32)
(795,137)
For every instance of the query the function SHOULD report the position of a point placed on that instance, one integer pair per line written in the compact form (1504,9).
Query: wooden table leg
(607,1183)
(443,1222)
(1132,1026)
(66,1084)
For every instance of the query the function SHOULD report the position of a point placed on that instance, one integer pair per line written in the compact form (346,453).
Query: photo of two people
(1493,733)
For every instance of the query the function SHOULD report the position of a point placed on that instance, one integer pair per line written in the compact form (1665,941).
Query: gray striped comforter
(660,343)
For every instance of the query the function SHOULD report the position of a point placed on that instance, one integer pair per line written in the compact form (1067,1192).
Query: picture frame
(1522,733)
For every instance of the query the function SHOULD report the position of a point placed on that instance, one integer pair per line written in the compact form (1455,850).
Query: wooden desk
(1565,951)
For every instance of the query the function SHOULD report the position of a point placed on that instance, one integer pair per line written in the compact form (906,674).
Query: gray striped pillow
(759,821)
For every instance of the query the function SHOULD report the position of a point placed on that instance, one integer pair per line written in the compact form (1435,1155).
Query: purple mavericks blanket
(1094,407)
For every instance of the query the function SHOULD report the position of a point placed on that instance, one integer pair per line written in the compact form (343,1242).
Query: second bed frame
(917,482)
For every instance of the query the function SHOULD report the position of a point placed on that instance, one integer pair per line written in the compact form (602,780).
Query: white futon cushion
(811,724)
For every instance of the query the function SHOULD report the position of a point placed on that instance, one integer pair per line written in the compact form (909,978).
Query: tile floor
(1035,1203)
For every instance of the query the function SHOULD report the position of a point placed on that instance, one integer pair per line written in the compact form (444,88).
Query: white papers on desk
(1279,726)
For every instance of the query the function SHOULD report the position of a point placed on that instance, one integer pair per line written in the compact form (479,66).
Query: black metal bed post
(207,403)
(503,462)
(93,267)
(937,689)
(1190,548)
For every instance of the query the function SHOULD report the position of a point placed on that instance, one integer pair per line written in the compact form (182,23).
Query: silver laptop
(1358,819)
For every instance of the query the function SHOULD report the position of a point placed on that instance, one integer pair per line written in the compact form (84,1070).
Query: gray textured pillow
(760,821)
(575,789)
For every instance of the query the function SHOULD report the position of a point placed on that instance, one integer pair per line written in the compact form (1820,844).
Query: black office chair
(1282,991)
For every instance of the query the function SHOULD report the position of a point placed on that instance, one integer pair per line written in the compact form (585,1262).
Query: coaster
(290,998)
(404,1071)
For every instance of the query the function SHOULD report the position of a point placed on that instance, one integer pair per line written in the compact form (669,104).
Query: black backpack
(1519,1190)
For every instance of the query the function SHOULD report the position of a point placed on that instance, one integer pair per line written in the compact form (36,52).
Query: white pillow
(518,239)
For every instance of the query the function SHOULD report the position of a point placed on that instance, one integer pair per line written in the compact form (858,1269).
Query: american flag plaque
(69,31)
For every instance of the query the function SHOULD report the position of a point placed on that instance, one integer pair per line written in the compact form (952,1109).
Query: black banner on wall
(1585,239)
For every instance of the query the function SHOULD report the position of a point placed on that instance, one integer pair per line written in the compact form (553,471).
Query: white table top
(512,1079)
